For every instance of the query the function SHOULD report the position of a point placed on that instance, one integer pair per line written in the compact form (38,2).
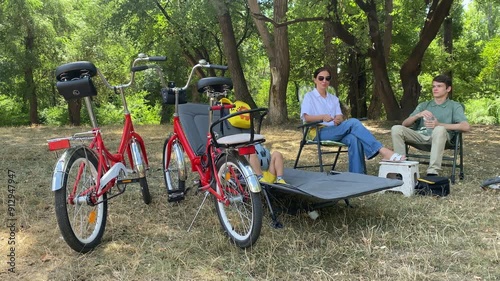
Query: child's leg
(254,162)
(277,164)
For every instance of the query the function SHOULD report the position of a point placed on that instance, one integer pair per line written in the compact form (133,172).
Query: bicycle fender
(179,153)
(61,165)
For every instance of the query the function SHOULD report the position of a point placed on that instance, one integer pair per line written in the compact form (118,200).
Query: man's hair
(443,79)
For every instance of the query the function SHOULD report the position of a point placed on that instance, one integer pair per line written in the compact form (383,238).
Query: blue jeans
(360,142)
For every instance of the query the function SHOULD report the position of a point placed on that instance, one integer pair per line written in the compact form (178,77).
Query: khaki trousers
(401,135)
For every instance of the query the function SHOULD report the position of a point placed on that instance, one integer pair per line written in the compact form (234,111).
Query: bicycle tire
(143,182)
(493,183)
(172,173)
(81,225)
(242,218)
(146,195)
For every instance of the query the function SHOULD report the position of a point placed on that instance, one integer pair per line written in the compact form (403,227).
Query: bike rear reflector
(58,144)
(246,150)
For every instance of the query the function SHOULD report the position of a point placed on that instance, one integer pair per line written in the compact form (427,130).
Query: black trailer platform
(322,188)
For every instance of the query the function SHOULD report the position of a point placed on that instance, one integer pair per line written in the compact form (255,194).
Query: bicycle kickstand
(199,209)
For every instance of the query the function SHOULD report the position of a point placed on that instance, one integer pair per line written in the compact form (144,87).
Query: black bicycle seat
(73,70)
(217,84)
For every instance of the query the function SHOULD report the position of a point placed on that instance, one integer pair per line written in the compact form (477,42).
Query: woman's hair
(324,68)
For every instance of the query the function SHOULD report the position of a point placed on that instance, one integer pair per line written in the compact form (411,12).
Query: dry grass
(386,237)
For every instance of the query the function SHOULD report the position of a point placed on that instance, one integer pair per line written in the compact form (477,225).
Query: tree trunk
(231,52)
(357,84)
(74,107)
(388,29)
(331,54)
(376,53)
(29,45)
(375,108)
(448,47)
(278,52)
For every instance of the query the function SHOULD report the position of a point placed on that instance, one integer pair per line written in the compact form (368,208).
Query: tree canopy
(384,53)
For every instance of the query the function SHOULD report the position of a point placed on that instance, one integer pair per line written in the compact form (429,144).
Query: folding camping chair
(322,147)
(455,161)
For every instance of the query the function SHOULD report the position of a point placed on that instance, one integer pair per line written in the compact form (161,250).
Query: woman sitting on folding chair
(319,105)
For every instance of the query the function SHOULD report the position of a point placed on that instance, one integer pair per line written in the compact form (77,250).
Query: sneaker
(280,181)
(262,179)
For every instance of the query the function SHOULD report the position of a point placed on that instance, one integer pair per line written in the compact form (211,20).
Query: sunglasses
(321,78)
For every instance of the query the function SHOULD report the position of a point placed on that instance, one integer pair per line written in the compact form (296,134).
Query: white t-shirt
(314,104)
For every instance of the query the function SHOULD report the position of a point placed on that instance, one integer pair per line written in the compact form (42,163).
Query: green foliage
(111,33)
(142,112)
(11,112)
(483,111)
(491,57)
(107,113)
(55,116)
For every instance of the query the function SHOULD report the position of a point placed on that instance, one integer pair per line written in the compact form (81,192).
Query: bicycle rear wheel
(174,172)
(81,223)
(242,218)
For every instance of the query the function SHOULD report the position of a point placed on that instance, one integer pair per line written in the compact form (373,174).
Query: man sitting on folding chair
(435,121)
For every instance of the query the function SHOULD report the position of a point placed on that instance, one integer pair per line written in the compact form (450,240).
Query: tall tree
(275,41)
(31,44)
(22,30)
(382,86)
(231,52)
(437,12)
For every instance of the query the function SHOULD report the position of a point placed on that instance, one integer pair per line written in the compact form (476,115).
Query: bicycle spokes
(233,184)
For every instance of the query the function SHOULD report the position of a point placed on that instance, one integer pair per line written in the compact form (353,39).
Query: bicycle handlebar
(216,66)
(133,69)
(202,63)
(157,58)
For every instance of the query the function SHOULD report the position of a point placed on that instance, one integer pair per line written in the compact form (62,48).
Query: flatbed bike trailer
(322,189)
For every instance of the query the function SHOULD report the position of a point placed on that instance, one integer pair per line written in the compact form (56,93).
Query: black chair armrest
(455,137)
(310,124)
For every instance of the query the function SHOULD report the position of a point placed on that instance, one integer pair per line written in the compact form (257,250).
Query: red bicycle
(87,171)
(219,159)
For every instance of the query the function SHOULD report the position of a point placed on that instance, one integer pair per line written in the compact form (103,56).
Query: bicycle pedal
(127,181)
(176,196)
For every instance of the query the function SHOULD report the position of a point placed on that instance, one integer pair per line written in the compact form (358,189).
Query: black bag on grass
(433,185)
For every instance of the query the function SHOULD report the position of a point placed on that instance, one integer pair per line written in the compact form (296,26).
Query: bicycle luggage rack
(64,143)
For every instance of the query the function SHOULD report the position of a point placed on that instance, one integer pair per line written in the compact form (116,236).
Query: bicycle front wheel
(140,166)
(242,217)
(81,223)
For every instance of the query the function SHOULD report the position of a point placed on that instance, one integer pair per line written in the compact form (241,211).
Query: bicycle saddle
(216,83)
(77,69)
